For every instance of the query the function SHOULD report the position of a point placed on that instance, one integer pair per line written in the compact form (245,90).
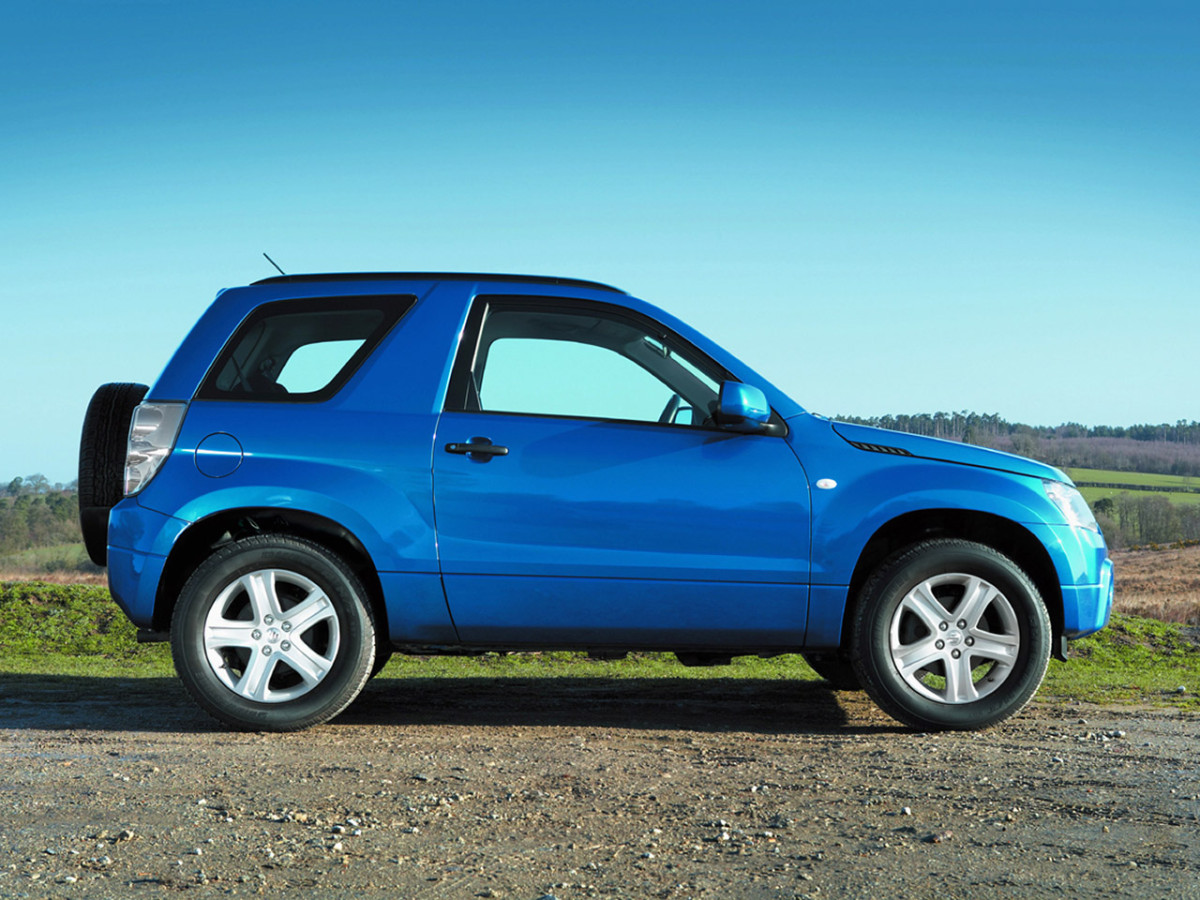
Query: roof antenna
(275,264)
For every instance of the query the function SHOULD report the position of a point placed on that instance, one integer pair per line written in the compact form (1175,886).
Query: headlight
(1071,504)
(151,436)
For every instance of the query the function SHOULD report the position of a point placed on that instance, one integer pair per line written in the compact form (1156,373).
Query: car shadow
(67,703)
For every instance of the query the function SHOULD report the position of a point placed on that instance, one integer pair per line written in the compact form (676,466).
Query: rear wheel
(951,635)
(273,633)
(102,447)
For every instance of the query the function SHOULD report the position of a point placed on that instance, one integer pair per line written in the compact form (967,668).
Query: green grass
(577,665)
(1132,660)
(72,629)
(1140,478)
(78,630)
(1139,482)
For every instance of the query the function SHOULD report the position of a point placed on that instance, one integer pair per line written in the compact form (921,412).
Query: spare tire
(102,461)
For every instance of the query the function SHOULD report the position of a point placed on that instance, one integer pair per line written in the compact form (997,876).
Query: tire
(236,611)
(834,668)
(102,447)
(951,635)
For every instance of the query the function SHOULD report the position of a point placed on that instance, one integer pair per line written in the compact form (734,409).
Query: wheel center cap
(272,636)
(954,638)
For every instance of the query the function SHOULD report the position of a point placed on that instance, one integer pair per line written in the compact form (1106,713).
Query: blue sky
(884,207)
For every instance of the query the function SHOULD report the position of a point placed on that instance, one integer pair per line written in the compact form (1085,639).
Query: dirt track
(580,788)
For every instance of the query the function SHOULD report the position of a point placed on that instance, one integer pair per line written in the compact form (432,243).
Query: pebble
(906,810)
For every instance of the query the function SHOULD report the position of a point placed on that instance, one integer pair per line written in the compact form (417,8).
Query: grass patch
(72,629)
(1134,483)
(51,629)
(1147,479)
(1132,660)
(577,665)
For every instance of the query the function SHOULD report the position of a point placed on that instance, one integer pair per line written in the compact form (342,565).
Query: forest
(36,513)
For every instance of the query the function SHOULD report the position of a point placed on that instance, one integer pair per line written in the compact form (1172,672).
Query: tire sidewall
(883,596)
(356,650)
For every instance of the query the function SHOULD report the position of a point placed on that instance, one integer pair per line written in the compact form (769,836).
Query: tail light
(152,434)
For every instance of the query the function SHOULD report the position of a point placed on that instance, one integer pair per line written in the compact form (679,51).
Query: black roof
(439,276)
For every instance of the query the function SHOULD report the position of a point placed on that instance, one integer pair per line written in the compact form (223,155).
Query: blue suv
(332,468)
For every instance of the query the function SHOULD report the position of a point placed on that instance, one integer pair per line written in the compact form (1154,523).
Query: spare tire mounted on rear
(102,449)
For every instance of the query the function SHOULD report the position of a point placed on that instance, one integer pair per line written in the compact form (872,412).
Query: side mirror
(742,407)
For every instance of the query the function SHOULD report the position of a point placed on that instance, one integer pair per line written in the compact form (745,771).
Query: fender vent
(879,448)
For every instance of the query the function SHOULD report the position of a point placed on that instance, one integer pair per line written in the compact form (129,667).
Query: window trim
(393,306)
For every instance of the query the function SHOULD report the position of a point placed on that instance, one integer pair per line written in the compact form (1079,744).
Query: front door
(584,496)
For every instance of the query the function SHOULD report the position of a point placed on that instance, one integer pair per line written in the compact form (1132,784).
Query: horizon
(933,207)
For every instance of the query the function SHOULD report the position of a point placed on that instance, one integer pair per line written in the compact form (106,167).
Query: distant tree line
(1137,519)
(1161,449)
(36,513)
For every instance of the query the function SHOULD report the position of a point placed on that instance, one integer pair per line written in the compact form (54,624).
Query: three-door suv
(335,467)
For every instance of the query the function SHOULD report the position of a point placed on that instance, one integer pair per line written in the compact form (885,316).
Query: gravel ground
(574,788)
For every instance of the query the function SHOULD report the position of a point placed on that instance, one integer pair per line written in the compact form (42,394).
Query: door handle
(478,448)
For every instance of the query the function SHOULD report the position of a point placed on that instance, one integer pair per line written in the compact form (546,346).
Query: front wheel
(951,635)
(273,633)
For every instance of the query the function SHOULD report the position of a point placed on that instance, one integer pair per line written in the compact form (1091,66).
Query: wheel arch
(1004,535)
(204,536)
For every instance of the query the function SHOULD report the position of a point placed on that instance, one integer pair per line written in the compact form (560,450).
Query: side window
(301,350)
(564,378)
(312,366)
(588,363)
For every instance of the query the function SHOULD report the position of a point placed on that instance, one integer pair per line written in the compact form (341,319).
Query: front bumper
(1085,576)
(1086,608)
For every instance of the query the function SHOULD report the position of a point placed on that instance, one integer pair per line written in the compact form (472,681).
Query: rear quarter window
(301,350)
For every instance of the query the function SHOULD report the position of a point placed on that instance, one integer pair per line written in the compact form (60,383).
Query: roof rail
(438,276)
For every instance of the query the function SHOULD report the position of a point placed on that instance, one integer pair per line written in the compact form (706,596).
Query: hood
(945,451)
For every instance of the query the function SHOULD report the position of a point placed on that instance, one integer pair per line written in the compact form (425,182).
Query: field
(1180,488)
(65,564)
(1159,584)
